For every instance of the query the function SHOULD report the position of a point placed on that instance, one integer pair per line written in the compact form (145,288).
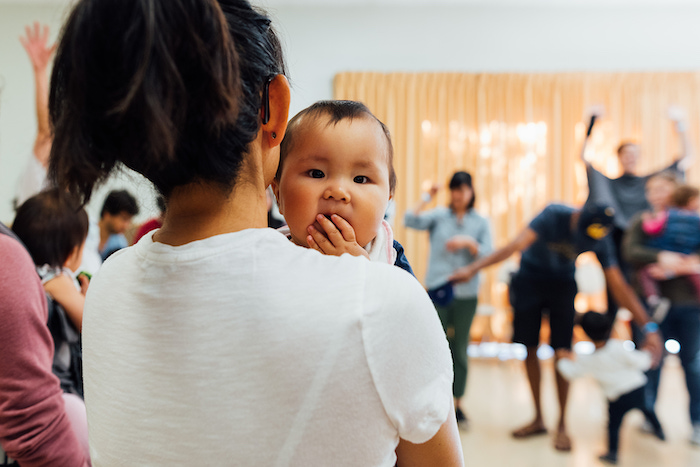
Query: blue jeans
(682,324)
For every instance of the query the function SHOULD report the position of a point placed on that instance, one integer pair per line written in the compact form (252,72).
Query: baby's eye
(315,173)
(361,179)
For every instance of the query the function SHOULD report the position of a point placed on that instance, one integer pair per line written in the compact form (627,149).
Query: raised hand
(36,44)
(676,113)
(434,188)
(597,111)
(334,236)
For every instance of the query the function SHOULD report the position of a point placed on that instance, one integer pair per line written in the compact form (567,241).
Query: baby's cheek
(367,232)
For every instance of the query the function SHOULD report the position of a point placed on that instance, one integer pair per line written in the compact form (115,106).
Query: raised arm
(40,52)
(593,113)
(425,199)
(526,238)
(686,156)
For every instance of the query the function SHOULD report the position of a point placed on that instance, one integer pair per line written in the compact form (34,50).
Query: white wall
(324,40)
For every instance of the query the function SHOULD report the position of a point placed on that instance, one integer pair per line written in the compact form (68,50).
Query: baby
(620,373)
(335,180)
(676,229)
(53,226)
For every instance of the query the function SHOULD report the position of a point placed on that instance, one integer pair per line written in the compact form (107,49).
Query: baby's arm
(640,359)
(334,237)
(62,290)
(568,367)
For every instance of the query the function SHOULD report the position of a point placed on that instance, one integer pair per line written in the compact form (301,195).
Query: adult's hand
(460,242)
(434,188)
(659,273)
(464,274)
(36,44)
(653,343)
(677,264)
(669,259)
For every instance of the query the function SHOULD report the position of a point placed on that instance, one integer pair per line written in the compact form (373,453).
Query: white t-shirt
(617,370)
(244,349)
(31,181)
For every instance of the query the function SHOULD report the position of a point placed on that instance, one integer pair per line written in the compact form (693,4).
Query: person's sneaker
(609,458)
(462,421)
(695,436)
(660,310)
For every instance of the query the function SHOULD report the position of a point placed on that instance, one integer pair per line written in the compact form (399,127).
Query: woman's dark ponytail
(146,83)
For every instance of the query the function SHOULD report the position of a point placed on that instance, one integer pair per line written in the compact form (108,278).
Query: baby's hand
(84,280)
(334,237)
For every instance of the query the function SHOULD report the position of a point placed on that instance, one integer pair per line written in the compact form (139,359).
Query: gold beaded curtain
(520,136)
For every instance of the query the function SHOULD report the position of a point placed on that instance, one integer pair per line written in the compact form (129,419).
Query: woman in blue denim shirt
(458,236)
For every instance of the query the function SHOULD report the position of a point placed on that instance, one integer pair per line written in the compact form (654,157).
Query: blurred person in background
(458,236)
(33,178)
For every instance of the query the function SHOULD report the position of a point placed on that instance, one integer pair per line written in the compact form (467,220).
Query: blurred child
(620,373)
(335,180)
(53,227)
(676,230)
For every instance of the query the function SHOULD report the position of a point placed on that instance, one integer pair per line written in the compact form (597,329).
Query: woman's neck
(198,211)
(459,213)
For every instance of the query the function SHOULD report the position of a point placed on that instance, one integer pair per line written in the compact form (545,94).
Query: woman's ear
(279,96)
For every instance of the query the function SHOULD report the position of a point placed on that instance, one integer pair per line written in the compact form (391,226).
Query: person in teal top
(458,236)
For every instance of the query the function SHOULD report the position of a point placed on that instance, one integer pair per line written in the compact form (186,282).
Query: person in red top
(36,424)
(151,224)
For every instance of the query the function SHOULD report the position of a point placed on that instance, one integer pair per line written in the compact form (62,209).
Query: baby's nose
(337,192)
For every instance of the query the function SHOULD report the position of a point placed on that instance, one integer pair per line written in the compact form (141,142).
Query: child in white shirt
(620,373)
(335,180)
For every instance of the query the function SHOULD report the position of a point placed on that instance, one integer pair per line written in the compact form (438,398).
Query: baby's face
(336,169)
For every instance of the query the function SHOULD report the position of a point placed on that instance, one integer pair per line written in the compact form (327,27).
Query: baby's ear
(275,185)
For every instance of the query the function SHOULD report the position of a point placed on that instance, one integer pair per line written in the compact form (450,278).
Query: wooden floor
(498,400)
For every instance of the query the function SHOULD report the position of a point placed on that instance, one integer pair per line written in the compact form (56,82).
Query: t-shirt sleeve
(34,427)
(605,251)
(407,353)
(484,239)
(543,222)
(599,188)
(422,221)
(639,359)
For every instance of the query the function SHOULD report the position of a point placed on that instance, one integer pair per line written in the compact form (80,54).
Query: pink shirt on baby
(655,224)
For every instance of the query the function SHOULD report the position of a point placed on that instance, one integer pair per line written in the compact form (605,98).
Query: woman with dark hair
(458,236)
(214,340)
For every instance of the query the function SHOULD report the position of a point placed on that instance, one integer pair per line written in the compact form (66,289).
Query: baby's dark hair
(118,201)
(683,194)
(336,111)
(51,224)
(170,88)
(597,326)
